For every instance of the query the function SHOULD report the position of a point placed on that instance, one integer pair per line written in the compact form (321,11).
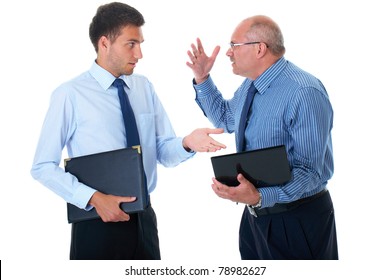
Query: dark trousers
(304,233)
(136,239)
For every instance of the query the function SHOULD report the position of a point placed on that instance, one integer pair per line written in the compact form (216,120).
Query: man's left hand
(200,140)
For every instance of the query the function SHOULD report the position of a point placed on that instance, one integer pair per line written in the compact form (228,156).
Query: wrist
(258,203)
(185,145)
(201,80)
(94,198)
(252,208)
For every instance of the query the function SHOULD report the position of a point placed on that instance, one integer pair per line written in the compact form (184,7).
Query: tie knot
(252,89)
(118,83)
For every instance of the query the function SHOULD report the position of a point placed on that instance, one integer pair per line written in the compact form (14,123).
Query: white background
(343,43)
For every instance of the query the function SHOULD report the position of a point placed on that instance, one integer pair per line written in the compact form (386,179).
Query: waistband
(284,207)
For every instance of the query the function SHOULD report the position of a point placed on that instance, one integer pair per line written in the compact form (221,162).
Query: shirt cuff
(204,88)
(269,196)
(82,196)
(182,151)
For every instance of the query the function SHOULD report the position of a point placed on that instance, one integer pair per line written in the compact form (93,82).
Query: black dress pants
(136,239)
(304,233)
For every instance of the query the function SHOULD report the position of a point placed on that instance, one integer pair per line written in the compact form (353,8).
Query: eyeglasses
(233,45)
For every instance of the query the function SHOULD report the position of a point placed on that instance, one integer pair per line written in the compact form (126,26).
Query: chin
(128,72)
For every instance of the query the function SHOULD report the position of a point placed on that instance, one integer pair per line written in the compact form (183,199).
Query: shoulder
(70,88)
(308,89)
(138,80)
(301,77)
(294,82)
(75,82)
(140,85)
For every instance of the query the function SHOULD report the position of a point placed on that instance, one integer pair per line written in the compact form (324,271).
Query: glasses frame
(233,45)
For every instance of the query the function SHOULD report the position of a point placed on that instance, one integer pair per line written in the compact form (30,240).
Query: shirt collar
(103,77)
(264,80)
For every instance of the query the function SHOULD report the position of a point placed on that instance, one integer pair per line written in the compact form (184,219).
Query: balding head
(264,29)
(259,45)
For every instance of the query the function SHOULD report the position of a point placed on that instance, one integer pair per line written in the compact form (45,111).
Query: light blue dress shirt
(291,108)
(85,116)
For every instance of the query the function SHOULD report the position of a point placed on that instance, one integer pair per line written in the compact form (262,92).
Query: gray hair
(267,31)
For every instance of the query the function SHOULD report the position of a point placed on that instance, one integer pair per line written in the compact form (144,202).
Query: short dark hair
(110,19)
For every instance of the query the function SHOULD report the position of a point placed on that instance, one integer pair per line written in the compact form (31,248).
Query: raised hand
(201,64)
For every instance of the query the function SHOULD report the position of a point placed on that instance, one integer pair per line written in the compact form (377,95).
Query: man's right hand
(200,63)
(108,207)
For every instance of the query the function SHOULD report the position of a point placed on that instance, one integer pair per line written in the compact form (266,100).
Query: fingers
(122,216)
(198,49)
(215,144)
(119,215)
(222,190)
(200,46)
(220,145)
(196,52)
(209,148)
(214,130)
(127,199)
(215,52)
(199,62)
(200,140)
(216,186)
(244,182)
(191,56)
(241,179)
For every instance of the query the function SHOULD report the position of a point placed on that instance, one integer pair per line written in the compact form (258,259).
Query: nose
(138,52)
(229,52)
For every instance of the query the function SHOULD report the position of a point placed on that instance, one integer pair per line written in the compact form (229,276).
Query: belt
(284,207)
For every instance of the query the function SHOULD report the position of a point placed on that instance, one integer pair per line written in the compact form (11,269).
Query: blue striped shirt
(291,108)
(85,116)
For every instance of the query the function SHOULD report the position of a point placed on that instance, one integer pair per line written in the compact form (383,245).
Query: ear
(103,43)
(261,49)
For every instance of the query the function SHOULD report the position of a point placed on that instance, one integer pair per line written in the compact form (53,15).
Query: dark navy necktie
(132,136)
(244,117)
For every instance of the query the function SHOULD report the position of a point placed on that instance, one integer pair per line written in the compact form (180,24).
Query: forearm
(63,184)
(214,106)
(171,152)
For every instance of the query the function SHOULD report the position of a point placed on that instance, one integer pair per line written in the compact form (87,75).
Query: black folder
(262,167)
(119,172)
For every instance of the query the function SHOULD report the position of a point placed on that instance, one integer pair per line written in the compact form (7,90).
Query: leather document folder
(262,167)
(119,172)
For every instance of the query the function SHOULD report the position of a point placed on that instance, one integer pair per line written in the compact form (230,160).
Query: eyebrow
(135,41)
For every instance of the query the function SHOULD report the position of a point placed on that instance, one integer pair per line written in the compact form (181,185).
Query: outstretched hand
(200,63)
(200,140)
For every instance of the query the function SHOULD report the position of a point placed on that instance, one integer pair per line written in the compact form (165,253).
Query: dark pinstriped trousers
(307,232)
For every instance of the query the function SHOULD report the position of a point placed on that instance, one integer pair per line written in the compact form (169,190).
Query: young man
(288,107)
(85,116)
